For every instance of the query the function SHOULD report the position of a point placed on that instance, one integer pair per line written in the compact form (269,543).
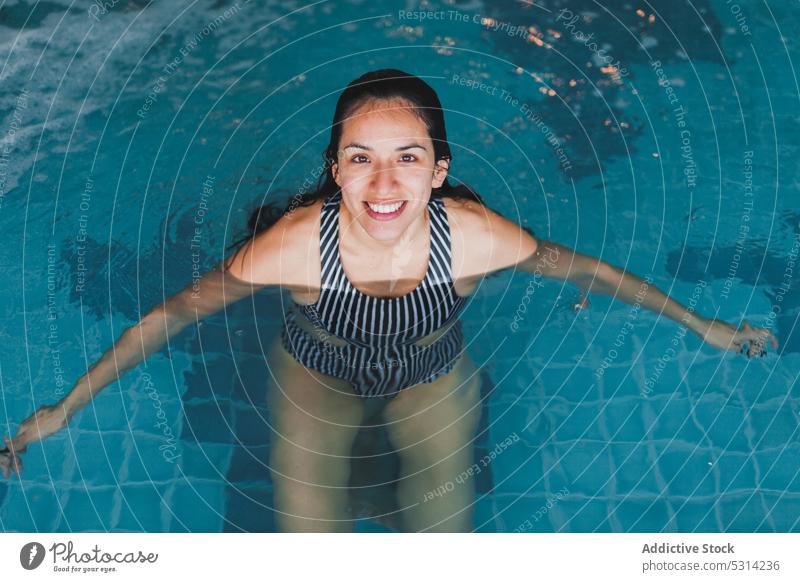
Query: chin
(383,232)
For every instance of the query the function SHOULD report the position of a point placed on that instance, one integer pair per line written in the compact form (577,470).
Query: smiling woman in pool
(379,261)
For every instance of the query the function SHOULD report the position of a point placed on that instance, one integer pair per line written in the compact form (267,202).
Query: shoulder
(284,253)
(484,240)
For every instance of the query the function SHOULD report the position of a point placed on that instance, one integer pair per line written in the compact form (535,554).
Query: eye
(354,158)
(413,158)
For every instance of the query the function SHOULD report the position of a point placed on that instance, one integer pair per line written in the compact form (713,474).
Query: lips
(385,211)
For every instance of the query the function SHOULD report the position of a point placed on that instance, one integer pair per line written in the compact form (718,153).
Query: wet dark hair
(382,84)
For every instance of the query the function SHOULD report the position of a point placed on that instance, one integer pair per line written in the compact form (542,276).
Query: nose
(383,181)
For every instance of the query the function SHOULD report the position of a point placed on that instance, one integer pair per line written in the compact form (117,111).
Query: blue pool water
(681,168)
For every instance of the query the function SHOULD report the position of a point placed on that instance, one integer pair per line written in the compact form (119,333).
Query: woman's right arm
(209,294)
(247,271)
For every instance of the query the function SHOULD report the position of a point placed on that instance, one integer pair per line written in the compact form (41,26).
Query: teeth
(384,208)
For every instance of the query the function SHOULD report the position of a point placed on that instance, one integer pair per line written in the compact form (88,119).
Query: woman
(379,261)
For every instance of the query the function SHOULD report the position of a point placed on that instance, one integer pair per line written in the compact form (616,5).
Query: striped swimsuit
(380,357)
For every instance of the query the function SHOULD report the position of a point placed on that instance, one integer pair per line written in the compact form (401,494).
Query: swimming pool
(663,141)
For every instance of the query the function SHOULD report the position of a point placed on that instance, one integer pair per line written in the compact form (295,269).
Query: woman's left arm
(594,275)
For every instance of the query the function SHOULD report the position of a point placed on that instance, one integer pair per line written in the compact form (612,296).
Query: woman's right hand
(49,419)
(9,461)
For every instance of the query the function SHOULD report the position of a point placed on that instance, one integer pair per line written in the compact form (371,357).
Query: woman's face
(386,168)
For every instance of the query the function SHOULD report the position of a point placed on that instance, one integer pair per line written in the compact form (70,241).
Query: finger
(14,445)
(5,463)
(763,336)
(774,341)
(756,346)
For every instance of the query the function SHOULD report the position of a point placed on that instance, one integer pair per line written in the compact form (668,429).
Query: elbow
(597,276)
(176,308)
(607,274)
(609,278)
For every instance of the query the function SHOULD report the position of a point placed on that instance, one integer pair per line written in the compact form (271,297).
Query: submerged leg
(432,427)
(314,419)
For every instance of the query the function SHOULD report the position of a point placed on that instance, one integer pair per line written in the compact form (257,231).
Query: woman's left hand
(749,340)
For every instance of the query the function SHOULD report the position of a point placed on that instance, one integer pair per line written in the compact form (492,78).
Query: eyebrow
(369,149)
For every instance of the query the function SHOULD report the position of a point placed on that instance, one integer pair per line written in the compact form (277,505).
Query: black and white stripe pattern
(380,371)
(381,358)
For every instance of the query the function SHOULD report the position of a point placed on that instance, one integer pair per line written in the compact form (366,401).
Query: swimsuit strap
(329,242)
(441,251)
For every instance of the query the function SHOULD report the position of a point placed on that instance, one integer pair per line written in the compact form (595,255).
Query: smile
(385,211)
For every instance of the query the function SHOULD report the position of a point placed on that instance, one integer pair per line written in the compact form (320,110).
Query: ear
(335,172)
(440,172)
